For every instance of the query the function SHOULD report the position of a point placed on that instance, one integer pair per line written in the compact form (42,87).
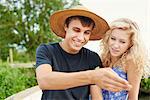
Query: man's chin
(77,48)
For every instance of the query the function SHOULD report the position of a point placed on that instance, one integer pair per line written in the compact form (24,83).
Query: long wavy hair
(135,52)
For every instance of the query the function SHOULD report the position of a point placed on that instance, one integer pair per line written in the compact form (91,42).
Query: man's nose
(81,36)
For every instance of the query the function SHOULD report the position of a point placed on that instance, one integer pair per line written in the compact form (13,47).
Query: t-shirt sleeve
(43,56)
(96,60)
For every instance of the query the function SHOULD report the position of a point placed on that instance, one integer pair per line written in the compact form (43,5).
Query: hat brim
(57,21)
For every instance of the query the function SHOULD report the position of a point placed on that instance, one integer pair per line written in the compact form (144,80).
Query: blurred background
(24,25)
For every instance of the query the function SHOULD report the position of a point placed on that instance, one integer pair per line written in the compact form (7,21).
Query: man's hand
(107,79)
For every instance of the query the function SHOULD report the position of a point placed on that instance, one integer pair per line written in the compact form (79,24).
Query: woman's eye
(122,42)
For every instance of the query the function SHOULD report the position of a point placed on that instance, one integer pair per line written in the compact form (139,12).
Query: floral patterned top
(122,95)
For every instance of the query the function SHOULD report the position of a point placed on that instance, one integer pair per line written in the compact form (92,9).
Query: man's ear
(65,27)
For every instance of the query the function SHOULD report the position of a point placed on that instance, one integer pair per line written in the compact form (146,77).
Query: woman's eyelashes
(121,41)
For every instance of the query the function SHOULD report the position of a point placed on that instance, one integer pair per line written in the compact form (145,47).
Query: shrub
(22,57)
(145,85)
(13,80)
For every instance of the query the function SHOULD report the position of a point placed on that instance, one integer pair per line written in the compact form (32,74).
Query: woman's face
(119,42)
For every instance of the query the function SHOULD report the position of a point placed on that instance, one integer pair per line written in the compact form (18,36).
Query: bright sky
(137,10)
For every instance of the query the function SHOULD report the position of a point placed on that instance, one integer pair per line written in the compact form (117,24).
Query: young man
(65,70)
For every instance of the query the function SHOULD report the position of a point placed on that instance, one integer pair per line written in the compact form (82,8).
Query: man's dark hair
(85,21)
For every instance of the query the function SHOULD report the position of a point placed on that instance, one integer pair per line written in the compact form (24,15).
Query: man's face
(76,36)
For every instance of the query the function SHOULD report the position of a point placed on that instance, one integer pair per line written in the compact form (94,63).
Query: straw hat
(57,21)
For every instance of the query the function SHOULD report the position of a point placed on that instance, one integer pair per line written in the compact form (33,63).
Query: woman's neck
(114,60)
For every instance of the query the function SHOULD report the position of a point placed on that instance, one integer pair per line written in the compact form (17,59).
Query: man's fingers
(118,81)
(113,82)
(114,86)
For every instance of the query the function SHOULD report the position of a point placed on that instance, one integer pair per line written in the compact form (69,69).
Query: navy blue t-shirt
(62,61)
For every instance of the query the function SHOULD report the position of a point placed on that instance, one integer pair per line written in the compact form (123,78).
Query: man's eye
(113,38)
(87,32)
(76,29)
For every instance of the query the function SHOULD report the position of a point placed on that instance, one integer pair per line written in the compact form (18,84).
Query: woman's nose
(116,44)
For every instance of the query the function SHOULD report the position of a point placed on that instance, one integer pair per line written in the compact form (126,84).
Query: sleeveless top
(122,95)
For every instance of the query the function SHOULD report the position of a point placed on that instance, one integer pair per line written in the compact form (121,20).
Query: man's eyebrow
(75,27)
(89,30)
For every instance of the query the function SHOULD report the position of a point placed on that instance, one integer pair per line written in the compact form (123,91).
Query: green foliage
(4,52)
(13,80)
(145,84)
(22,57)
(26,23)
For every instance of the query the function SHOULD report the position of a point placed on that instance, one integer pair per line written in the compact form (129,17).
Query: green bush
(22,57)
(13,80)
(145,85)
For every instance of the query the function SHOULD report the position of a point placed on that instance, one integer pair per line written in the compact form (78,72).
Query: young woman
(122,51)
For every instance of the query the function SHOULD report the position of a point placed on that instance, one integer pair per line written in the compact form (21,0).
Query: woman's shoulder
(132,67)
(130,61)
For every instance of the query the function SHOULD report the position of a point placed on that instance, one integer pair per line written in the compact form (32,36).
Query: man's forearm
(60,80)
(105,78)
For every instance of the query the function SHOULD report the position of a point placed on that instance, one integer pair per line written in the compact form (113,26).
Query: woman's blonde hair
(136,50)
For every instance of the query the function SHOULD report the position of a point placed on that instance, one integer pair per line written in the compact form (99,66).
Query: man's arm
(52,80)
(104,78)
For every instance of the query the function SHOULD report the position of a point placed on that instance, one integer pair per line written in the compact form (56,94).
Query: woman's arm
(96,93)
(134,78)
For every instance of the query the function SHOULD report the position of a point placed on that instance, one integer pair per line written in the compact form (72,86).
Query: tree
(25,23)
